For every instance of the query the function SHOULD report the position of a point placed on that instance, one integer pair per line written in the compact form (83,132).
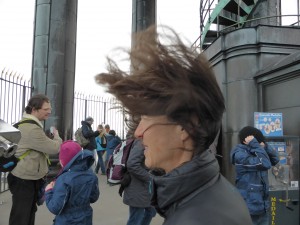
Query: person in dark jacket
(252,159)
(89,134)
(175,93)
(76,187)
(136,194)
(113,141)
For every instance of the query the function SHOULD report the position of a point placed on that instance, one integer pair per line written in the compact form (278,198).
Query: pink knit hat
(68,150)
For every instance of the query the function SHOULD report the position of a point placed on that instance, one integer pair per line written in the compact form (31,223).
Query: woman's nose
(139,131)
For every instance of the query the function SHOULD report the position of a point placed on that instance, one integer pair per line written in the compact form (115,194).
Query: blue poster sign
(270,124)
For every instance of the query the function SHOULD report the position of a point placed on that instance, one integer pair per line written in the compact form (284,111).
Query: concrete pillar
(54,56)
(143,16)
(265,13)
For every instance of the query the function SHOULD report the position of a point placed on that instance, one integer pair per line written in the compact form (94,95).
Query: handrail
(265,17)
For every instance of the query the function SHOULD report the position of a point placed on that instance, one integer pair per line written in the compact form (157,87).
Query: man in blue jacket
(252,159)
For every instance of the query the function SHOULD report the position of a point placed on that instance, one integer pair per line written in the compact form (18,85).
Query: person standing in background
(113,141)
(89,134)
(107,128)
(136,192)
(252,158)
(25,179)
(101,149)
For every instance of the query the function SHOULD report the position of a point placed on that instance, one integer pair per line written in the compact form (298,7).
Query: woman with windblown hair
(176,95)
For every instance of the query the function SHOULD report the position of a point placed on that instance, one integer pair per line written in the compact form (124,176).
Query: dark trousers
(140,216)
(24,197)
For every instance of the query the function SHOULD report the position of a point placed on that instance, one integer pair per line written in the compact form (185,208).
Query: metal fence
(103,110)
(15,92)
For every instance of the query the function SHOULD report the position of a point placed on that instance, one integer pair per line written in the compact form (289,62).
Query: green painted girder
(247,9)
(219,7)
(225,20)
(232,7)
(249,2)
(217,11)
(228,21)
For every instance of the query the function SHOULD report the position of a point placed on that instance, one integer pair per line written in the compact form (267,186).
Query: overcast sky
(102,26)
(107,25)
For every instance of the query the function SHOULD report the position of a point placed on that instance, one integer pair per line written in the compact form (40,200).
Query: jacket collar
(85,123)
(193,176)
(29,116)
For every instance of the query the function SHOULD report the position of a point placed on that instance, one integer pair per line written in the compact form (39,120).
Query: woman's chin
(147,163)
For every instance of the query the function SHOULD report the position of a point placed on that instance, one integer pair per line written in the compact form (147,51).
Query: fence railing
(103,110)
(15,92)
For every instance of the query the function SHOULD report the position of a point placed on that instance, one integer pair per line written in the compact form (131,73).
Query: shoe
(103,173)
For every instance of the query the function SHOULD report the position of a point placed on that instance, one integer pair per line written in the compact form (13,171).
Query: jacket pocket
(255,199)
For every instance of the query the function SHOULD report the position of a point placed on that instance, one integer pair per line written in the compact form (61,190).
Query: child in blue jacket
(76,187)
(252,158)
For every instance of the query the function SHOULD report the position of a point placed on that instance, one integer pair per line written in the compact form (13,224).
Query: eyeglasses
(46,109)
(157,124)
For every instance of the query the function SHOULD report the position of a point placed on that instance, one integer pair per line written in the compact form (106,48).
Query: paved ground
(108,210)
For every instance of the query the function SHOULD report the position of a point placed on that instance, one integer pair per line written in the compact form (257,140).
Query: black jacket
(197,194)
(88,133)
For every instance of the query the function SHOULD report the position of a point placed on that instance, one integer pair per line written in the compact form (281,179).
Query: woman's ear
(183,134)
(187,143)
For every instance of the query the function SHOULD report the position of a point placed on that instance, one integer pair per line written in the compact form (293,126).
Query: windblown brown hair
(169,80)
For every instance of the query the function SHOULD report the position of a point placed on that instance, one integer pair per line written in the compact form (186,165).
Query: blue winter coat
(74,190)
(252,162)
(112,143)
(99,143)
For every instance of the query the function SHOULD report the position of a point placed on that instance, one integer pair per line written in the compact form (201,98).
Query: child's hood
(83,160)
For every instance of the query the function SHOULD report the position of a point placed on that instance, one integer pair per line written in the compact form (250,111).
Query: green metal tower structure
(218,17)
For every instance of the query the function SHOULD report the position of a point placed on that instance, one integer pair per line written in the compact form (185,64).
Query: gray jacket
(137,193)
(196,194)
